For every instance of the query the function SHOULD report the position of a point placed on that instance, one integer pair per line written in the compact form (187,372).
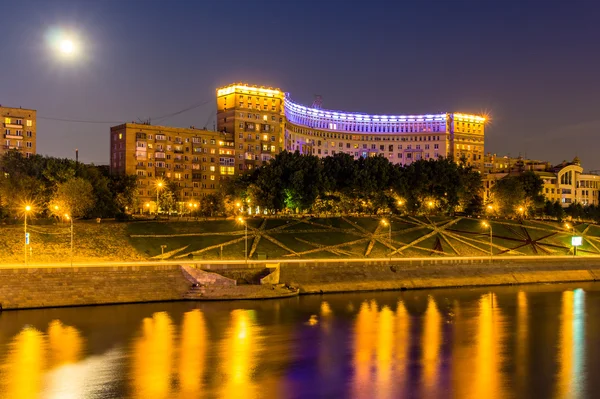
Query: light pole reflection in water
(240,351)
(571,348)
(192,352)
(152,358)
(431,342)
(25,364)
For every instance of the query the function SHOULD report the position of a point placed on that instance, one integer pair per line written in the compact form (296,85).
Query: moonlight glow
(67,46)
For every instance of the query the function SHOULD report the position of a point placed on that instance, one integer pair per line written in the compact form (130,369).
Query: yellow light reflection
(152,358)
(241,348)
(192,354)
(325,309)
(385,347)
(364,346)
(486,381)
(431,346)
(25,364)
(571,344)
(402,347)
(522,343)
(65,344)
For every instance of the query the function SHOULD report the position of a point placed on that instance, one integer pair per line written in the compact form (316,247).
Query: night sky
(532,65)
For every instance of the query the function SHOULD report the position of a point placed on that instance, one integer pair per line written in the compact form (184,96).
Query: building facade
(256,123)
(198,161)
(566,182)
(19,130)
(266,121)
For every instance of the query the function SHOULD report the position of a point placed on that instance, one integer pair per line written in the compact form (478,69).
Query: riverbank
(292,238)
(37,287)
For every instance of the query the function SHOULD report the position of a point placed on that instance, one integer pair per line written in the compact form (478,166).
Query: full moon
(67,46)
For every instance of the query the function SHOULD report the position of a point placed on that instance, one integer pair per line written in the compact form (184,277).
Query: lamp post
(68,217)
(572,229)
(27,210)
(384,222)
(489,225)
(159,185)
(242,221)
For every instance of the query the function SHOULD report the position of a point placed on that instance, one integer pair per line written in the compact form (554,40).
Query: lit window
(29,123)
(6,120)
(212,168)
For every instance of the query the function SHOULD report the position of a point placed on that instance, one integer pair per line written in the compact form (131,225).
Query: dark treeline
(49,183)
(339,184)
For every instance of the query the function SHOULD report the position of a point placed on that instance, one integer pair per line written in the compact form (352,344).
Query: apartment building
(19,130)
(198,161)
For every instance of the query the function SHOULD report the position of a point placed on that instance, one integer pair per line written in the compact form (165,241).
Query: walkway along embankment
(88,284)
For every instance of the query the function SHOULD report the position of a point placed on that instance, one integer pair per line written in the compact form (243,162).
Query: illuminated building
(565,182)
(266,120)
(198,161)
(254,116)
(19,130)
(254,124)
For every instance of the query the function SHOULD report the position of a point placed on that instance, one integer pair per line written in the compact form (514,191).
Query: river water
(523,342)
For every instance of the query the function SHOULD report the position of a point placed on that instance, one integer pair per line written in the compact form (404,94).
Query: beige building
(197,160)
(254,117)
(266,121)
(565,182)
(19,130)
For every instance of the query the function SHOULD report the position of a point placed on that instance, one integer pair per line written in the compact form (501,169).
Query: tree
(508,194)
(75,196)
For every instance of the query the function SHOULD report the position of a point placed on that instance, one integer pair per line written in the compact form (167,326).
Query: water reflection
(571,344)
(25,364)
(488,357)
(240,351)
(361,346)
(192,354)
(152,358)
(431,347)
(522,340)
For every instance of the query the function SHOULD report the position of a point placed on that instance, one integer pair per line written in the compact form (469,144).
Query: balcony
(13,136)
(13,125)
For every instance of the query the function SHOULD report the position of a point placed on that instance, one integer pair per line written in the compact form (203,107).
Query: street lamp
(148,206)
(27,210)
(68,217)
(159,186)
(489,225)
(521,211)
(385,223)
(572,229)
(242,221)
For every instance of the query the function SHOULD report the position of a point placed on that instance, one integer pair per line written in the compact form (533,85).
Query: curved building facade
(265,121)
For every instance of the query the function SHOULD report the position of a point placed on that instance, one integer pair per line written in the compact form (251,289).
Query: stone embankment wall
(65,286)
(316,277)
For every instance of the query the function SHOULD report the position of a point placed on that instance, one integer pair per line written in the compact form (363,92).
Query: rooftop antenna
(318,101)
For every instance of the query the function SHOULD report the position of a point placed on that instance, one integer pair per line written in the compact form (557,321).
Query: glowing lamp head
(238,204)
(67,216)
(400,203)
(489,207)
(485,224)
(147,205)
(521,209)
(27,208)
(430,204)
(159,184)
(195,205)
(190,205)
(67,46)
(240,220)
(384,222)
(56,207)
